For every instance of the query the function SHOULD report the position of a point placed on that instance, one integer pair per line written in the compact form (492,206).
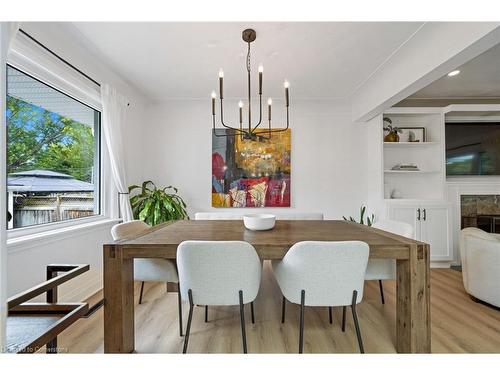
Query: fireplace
(481,211)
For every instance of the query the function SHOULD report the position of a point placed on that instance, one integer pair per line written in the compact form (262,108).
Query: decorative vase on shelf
(396,194)
(391,137)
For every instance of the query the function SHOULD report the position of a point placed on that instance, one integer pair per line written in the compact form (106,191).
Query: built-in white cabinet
(431,223)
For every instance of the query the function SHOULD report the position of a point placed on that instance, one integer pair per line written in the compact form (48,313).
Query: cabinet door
(407,214)
(435,231)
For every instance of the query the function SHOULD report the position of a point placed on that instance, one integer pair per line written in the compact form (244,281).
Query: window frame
(98,176)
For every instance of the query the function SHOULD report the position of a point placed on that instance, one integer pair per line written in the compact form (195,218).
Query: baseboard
(440,264)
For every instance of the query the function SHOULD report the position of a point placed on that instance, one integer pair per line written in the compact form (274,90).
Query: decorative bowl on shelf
(259,221)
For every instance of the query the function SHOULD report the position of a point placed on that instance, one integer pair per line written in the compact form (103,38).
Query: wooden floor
(458,324)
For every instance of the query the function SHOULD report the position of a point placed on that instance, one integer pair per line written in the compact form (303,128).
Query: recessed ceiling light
(453,73)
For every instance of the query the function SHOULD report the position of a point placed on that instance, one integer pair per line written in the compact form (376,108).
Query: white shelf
(409,144)
(429,156)
(409,172)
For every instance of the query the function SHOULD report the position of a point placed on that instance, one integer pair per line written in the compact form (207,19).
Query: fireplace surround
(480,211)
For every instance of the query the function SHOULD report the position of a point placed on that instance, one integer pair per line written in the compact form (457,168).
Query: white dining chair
(148,269)
(218,273)
(329,274)
(385,269)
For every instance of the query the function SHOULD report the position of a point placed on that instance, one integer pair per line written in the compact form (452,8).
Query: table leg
(118,301)
(413,324)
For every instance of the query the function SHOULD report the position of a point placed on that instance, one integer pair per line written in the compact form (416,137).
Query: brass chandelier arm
(275,130)
(260,113)
(222,118)
(214,129)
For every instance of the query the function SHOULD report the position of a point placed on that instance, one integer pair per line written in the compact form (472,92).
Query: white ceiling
(478,78)
(182,60)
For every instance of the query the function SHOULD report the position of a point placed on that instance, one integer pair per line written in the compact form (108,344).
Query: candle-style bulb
(214,95)
(287,97)
(261,69)
(221,84)
(269,103)
(240,104)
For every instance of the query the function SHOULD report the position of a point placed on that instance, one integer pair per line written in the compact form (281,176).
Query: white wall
(327,153)
(27,259)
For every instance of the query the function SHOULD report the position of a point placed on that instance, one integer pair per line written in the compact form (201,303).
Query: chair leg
(381,291)
(343,318)
(283,304)
(190,317)
(206,314)
(142,290)
(252,312)
(301,328)
(179,305)
(356,323)
(330,315)
(242,319)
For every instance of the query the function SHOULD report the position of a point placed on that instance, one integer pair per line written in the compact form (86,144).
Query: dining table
(413,316)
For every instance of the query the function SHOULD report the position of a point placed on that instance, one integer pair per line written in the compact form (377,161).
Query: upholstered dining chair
(319,273)
(218,273)
(385,269)
(148,269)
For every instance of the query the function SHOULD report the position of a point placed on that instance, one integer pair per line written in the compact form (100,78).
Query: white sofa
(239,215)
(480,254)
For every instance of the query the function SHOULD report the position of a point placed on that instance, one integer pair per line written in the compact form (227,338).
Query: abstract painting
(251,173)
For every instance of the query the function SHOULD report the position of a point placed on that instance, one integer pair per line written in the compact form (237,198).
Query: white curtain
(8,31)
(114,106)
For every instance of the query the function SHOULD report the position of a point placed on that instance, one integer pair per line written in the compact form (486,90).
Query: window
(53,149)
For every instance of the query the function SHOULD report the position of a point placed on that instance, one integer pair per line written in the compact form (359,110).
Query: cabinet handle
(425,214)
(418,214)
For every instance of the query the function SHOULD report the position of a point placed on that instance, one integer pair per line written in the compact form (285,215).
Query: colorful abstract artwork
(248,173)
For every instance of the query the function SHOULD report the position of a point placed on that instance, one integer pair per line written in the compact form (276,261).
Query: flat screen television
(473,149)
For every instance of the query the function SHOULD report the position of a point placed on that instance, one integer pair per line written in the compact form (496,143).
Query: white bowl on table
(259,221)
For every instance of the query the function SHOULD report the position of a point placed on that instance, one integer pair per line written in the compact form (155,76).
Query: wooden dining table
(412,263)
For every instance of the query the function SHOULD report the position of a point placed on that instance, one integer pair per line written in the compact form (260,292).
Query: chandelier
(250,132)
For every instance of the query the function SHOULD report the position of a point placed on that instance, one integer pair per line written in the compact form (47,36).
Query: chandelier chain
(248,58)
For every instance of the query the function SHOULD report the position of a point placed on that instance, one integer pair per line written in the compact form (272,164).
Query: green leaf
(133,187)
(154,205)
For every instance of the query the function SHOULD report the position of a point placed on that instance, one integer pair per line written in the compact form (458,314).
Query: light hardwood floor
(458,324)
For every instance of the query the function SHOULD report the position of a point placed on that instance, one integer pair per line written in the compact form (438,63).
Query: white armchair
(480,254)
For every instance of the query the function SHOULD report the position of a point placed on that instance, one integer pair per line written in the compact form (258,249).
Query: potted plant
(369,219)
(155,205)
(393,131)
